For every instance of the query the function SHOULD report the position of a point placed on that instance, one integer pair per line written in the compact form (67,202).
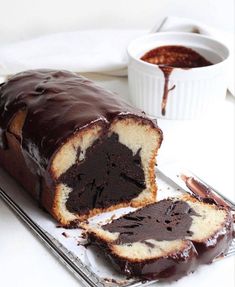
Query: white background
(21,19)
(24,261)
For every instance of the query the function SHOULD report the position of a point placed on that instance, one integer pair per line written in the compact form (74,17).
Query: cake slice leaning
(164,240)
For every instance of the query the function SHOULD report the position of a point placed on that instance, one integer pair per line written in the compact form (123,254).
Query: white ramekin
(197,90)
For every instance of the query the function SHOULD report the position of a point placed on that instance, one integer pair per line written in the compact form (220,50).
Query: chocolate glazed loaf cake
(77,148)
(164,240)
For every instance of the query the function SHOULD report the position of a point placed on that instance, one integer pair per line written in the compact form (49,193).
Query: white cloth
(101,51)
(81,51)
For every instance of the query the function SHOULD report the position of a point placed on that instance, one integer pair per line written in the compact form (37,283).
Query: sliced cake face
(180,232)
(210,220)
(211,230)
(83,149)
(97,171)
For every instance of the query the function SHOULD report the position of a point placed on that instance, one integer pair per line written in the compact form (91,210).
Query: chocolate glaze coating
(165,268)
(57,103)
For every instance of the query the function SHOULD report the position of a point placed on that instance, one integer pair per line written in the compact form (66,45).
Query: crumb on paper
(83,244)
(195,30)
(113,217)
(59,226)
(65,234)
(108,220)
(83,235)
(115,281)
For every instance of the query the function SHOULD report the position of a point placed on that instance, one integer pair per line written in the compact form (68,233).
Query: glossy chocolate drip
(166,71)
(110,174)
(57,104)
(170,57)
(166,220)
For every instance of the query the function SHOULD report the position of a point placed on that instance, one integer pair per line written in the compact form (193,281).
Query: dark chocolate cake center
(165,220)
(109,174)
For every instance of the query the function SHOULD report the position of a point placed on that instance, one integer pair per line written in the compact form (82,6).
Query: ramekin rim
(178,33)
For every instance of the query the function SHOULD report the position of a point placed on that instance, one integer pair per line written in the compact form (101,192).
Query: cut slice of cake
(164,240)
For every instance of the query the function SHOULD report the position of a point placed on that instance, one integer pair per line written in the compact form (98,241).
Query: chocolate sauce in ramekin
(169,57)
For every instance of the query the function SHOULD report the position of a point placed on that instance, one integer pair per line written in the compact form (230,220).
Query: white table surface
(206,146)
